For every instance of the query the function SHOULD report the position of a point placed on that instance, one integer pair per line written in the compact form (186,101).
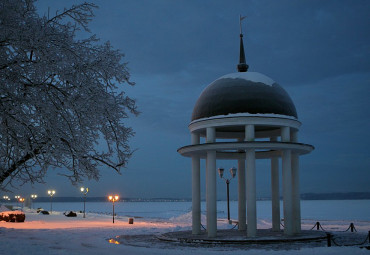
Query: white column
(251,184)
(211,186)
(295,187)
(287,183)
(196,208)
(275,194)
(241,195)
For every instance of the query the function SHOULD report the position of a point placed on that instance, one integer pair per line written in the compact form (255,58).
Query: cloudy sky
(319,51)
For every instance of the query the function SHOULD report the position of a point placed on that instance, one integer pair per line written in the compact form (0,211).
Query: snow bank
(186,218)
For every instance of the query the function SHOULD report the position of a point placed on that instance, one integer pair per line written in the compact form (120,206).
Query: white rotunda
(246,116)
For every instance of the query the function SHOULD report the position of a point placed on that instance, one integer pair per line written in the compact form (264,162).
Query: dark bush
(13,217)
(70,214)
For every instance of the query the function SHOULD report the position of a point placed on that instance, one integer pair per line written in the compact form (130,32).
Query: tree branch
(17,164)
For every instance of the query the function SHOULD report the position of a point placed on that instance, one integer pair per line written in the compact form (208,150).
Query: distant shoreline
(304,196)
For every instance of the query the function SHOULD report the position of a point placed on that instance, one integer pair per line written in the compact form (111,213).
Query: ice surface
(251,76)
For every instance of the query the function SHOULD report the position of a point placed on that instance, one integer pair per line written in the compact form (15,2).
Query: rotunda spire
(242,66)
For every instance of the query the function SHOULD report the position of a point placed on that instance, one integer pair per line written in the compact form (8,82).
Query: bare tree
(61,99)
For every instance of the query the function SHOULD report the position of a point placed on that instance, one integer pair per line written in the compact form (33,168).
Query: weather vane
(240,22)
(242,66)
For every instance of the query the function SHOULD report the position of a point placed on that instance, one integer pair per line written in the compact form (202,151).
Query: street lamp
(84,191)
(21,199)
(113,199)
(51,193)
(6,198)
(33,196)
(17,198)
(233,174)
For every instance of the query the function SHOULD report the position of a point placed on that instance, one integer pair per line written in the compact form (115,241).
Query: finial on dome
(242,66)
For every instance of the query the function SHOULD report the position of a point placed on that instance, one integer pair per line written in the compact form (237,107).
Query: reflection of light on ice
(112,240)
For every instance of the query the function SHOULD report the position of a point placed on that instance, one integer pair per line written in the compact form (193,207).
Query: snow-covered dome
(243,92)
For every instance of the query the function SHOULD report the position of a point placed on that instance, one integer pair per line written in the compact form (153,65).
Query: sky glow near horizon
(317,51)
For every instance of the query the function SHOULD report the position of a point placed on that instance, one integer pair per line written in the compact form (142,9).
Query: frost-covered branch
(81,14)
(62,103)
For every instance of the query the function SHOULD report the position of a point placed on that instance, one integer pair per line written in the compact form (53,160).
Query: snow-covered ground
(57,234)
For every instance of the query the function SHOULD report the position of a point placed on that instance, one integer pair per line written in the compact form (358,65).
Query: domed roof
(243,92)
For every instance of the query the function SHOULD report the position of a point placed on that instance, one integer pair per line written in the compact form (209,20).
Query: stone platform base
(240,237)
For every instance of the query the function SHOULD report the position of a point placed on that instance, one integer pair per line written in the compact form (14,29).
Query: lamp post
(233,174)
(113,199)
(33,196)
(21,199)
(84,191)
(6,198)
(51,193)
(17,198)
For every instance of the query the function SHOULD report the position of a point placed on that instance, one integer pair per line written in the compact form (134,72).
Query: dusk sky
(319,51)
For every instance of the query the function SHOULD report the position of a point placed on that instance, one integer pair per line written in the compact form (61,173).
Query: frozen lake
(311,209)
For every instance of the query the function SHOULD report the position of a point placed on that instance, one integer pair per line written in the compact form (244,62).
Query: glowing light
(84,190)
(113,241)
(113,198)
(21,199)
(33,196)
(51,192)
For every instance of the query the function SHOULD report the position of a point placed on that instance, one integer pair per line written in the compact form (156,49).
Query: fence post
(328,237)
